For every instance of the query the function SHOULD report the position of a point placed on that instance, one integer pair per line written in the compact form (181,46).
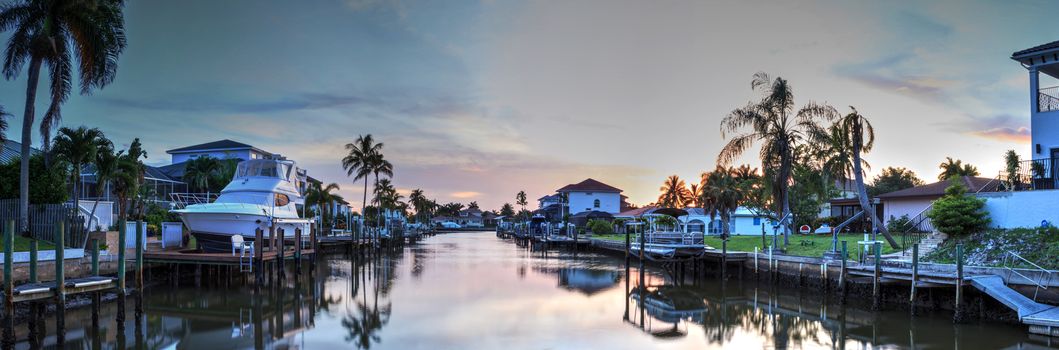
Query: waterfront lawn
(813,246)
(22,245)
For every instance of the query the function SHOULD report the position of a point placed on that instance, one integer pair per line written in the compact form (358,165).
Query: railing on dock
(1012,259)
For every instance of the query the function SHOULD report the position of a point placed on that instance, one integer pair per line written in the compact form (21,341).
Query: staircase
(926,245)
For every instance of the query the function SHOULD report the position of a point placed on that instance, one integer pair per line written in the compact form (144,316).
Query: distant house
(591,195)
(913,202)
(470,217)
(222,149)
(544,202)
(743,222)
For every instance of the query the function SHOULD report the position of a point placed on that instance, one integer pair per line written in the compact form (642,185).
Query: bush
(600,227)
(957,213)
(899,224)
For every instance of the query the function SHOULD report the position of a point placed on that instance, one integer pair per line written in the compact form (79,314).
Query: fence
(43,219)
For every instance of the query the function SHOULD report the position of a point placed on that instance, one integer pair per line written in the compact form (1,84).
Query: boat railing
(674,237)
(182,200)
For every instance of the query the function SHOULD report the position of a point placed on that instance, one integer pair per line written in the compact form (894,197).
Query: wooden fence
(43,219)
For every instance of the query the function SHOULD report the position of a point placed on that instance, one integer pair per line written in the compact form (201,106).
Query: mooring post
(724,258)
(842,273)
(875,292)
(756,258)
(9,285)
(33,256)
(282,244)
(139,255)
(915,277)
(259,253)
(121,256)
(298,251)
(60,282)
(958,314)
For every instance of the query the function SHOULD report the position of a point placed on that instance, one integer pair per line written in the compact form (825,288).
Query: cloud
(1018,135)
(465,194)
(212,102)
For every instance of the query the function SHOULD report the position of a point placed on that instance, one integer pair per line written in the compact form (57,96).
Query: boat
(262,193)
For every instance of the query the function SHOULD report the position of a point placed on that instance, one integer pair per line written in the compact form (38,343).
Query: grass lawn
(22,244)
(814,245)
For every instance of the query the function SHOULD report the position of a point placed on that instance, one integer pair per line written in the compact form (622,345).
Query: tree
(422,205)
(357,162)
(78,147)
(380,166)
(955,168)
(774,123)
(695,195)
(507,210)
(128,176)
(674,193)
(957,213)
(48,185)
(3,125)
(324,197)
(473,205)
(1012,165)
(834,154)
(200,172)
(721,196)
(106,164)
(224,174)
(859,134)
(57,32)
(520,199)
(893,179)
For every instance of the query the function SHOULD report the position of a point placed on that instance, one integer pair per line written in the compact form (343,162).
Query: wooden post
(259,252)
(281,240)
(60,281)
(272,239)
(915,277)
(95,256)
(33,258)
(958,314)
(842,274)
(875,291)
(121,257)
(724,259)
(298,251)
(139,255)
(9,285)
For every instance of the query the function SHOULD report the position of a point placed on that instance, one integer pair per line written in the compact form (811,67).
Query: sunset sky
(477,100)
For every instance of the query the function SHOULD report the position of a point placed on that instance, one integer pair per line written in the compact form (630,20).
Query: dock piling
(259,252)
(60,282)
(139,255)
(958,311)
(9,286)
(121,256)
(33,248)
(915,277)
(842,273)
(875,290)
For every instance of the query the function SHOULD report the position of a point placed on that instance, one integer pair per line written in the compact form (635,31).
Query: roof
(937,189)
(225,144)
(1036,49)
(12,150)
(589,185)
(549,197)
(175,171)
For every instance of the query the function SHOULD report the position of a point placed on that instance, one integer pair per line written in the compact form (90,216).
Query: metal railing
(917,227)
(1010,257)
(1048,99)
(1037,174)
(182,200)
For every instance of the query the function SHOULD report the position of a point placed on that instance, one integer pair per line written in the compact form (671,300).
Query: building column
(1034,109)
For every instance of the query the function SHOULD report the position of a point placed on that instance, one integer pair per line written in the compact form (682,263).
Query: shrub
(899,224)
(957,213)
(600,227)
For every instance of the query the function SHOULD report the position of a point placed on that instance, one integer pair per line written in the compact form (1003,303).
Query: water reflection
(473,291)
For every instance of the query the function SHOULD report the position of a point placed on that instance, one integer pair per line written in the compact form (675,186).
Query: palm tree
(420,203)
(106,163)
(78,147)
(324,198)
(694,195)
(721,196)
(3,124)
(379,165)
(956,168)
(1012,164)
(357,162)
(128,176)
(859,134)
(774,123)
(520,199)
(674,192)
(57,32)
(202,171)
(836,154)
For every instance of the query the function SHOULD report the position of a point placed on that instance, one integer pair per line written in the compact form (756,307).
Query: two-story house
(591,195)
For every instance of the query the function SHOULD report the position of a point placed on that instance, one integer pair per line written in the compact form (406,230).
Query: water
(474,291)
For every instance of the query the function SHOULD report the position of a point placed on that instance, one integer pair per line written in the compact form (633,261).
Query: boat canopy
(265,168)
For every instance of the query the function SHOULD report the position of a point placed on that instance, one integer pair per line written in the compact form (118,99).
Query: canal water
(475,291)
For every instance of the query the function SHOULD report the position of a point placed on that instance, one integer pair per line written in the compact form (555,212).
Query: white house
(591,195)
(743,222)
(223,149)
(1044,100)
(915,201)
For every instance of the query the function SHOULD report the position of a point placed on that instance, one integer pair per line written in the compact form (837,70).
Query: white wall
(1022,209)
(740,225)
(895,208)
(104,213)
(583,201)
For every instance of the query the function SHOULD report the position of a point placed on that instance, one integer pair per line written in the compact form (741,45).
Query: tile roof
(937,189)
(589,185)
(1036,49)
(221,144)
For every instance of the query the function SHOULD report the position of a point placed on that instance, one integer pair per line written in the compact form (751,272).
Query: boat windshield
(264,199)
(264,168)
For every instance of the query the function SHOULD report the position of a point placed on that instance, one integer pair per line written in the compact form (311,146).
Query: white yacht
(262,192)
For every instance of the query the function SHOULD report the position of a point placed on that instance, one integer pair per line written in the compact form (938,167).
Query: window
(757,221)
(282,199)
(595,204)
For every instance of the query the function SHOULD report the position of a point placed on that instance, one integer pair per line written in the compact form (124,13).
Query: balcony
(1037,174)
(1048,99)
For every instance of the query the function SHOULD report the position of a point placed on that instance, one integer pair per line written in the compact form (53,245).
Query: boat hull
(213,231)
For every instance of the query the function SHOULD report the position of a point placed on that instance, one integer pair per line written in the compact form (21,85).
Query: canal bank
(1017,296)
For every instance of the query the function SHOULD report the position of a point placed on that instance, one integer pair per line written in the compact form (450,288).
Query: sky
(477,100)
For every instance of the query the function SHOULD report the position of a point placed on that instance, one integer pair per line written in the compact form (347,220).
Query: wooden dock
(186,256)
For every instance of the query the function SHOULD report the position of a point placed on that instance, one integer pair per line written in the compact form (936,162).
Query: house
(470,217)
(1044,101)
(847,189)
(222,149)
(915,201)
(591,195)
(551,199)
(743,222)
